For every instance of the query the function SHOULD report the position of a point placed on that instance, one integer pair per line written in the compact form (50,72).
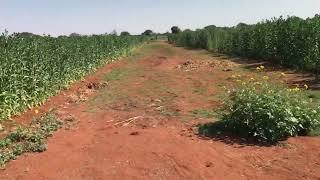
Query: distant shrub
(124,33)
(175,30)
(147,33)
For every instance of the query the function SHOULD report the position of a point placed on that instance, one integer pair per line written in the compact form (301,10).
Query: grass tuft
(28,139)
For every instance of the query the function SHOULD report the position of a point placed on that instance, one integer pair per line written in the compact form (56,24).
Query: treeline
(35,67)
(292,41)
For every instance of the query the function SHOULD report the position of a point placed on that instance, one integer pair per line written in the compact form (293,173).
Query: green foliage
(292,42)
(269,112)
(175,30)
(28,139)
(147,32)
(34,68)
(75,35)
(124,33)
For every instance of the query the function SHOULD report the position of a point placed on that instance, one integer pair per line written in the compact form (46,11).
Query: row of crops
(34,68)
(291,41)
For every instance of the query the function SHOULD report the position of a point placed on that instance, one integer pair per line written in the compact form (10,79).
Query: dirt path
(141,125)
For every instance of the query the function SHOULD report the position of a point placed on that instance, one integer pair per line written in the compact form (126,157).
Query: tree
(147,32)
(210,27)
(175,30)
(74,35)
(242,25)
(62,36)
(114,32)
(25,34)
(124,33)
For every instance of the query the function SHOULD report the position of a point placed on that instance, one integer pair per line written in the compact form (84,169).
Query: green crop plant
(292,41)
(34,68)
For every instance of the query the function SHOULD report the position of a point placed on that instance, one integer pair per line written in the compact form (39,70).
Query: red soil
(147,131)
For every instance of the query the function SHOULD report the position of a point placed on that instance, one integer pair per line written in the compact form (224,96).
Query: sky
(57,17)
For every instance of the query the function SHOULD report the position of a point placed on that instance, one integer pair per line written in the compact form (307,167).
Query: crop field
(35,68)
(292,41)
(213,103)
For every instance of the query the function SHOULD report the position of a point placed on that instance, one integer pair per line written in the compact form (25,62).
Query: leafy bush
(269,112)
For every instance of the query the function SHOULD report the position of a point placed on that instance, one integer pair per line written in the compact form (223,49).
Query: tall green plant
(292,41)
(34,68)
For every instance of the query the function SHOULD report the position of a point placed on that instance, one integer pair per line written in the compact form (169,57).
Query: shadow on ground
(217,131)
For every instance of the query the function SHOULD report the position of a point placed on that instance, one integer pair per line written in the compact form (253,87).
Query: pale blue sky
(99,16)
